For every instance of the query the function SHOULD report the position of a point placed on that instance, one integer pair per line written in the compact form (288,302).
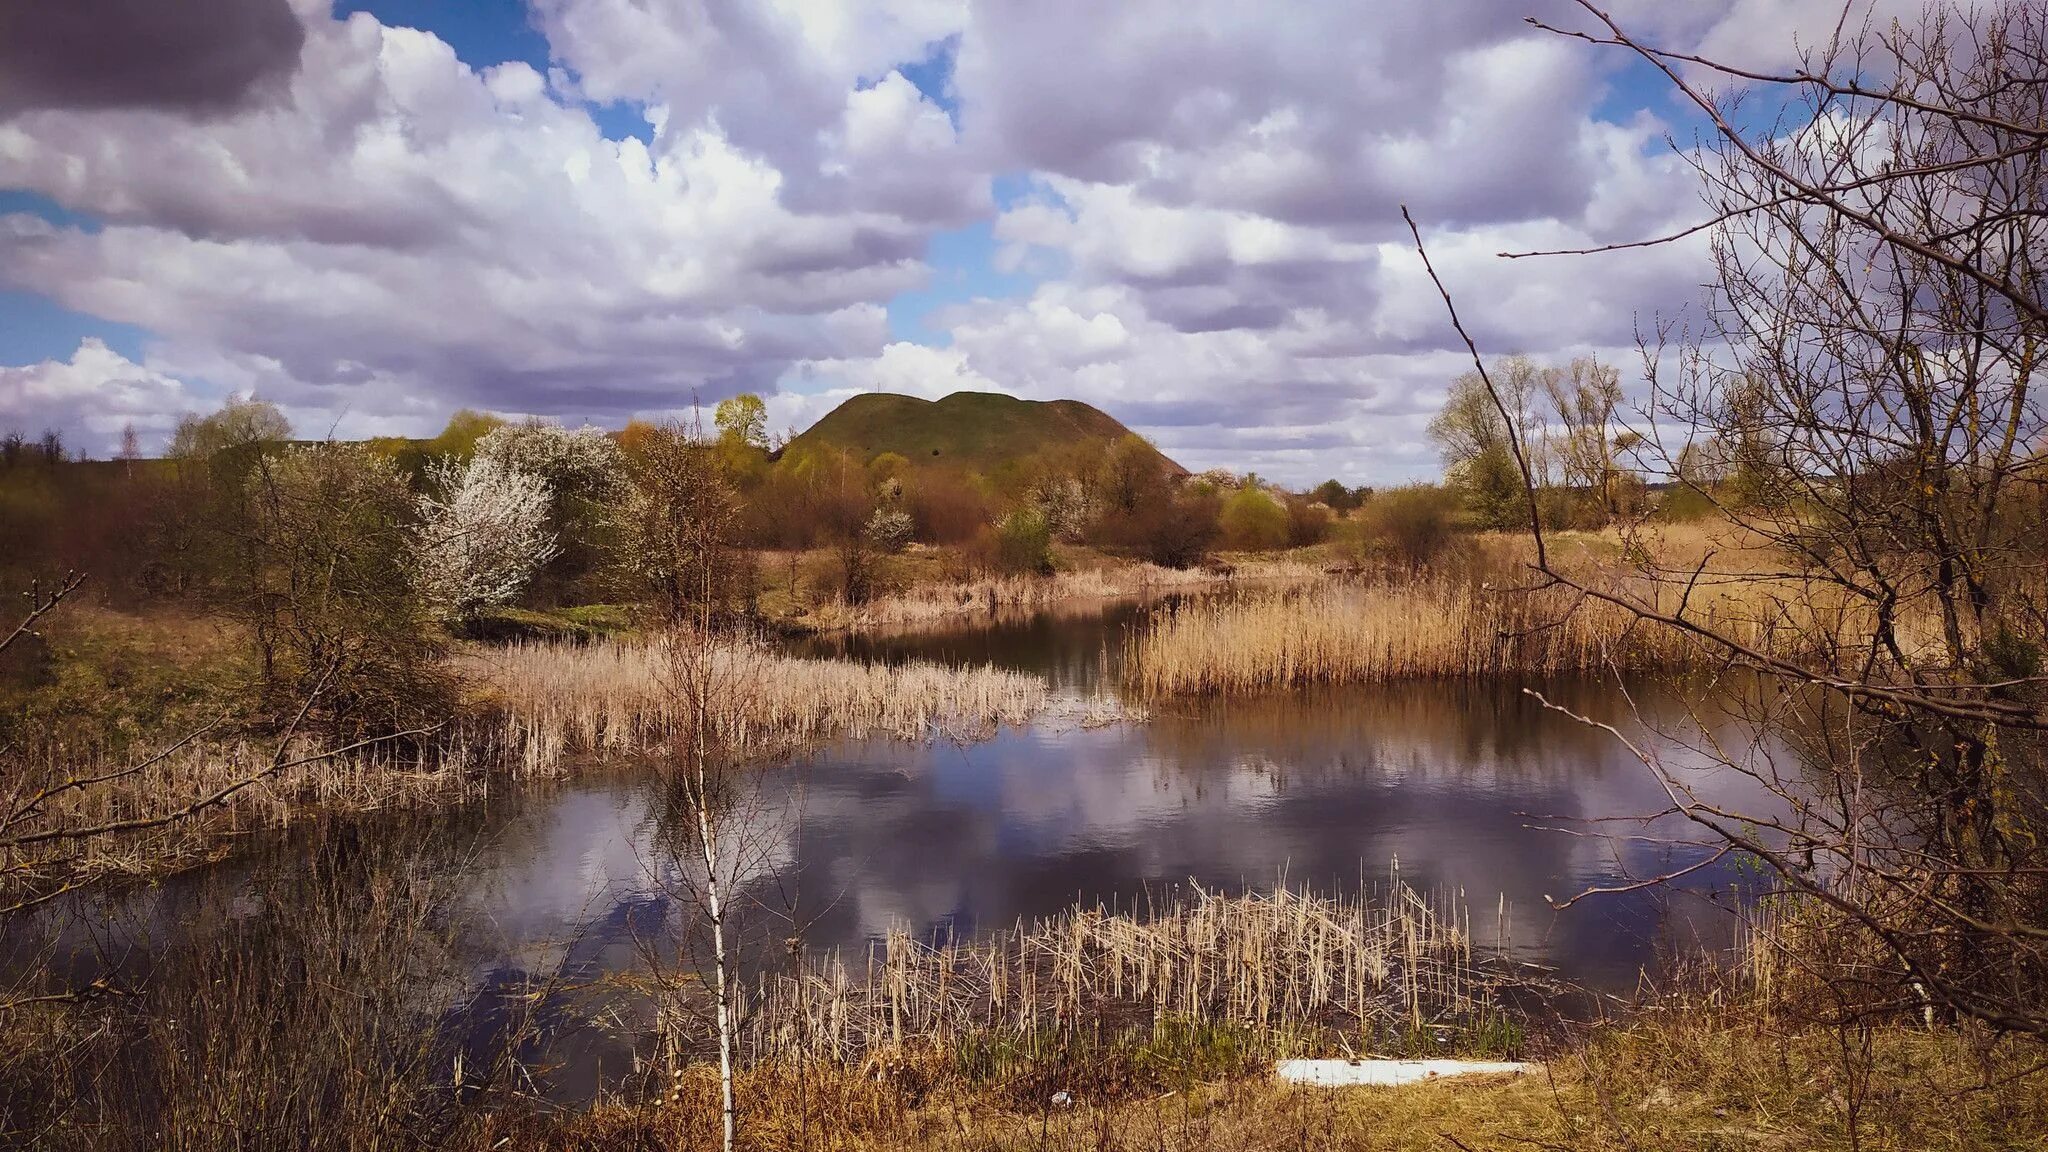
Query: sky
(1187,213)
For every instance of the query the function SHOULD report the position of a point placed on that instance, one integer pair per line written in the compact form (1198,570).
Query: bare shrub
(1868,369)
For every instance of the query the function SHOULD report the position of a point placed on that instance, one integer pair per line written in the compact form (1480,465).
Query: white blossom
(890,529)
(576,463)
(483,533)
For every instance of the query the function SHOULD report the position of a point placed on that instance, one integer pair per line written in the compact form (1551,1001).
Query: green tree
(1132,474)
(1252,521)
(464,429)
(239,423)
(674,532)
(1024,543)
(1478,443)
(1332,494)
(742,419)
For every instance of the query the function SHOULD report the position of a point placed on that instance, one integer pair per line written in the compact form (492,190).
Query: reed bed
(553,701)
(152,799)
(535,709)
(1293,970)
(1375,633)
(995,596)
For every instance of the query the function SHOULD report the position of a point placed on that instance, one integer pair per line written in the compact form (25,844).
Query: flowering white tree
(483,533)
(580,463)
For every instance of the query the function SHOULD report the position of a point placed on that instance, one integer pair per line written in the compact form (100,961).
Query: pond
(1462,787)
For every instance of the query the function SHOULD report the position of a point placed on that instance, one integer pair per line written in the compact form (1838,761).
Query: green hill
(975,430)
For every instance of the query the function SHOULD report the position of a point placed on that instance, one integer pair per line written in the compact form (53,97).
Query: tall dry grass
(1294,971)
(995,596)
(1339,634)
(550,702)
(535,708)
(155,798)
(1475,618)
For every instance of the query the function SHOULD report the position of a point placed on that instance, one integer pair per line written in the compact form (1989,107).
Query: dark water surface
(1324,789)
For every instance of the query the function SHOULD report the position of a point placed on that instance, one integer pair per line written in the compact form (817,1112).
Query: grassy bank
(1696,1080)
(530,711)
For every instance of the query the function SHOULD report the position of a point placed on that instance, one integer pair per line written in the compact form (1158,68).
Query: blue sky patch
(485,33)
(35,328)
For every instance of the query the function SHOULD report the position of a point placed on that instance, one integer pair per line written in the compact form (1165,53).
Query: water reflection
(1326,790)
(1321,789)
(1078,645)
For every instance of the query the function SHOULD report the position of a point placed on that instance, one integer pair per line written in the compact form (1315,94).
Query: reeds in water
(1309,971)
(149,816)
(1364,633)
(936,604)
(556,700)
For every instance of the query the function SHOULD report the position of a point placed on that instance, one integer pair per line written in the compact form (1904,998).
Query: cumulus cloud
(397,227)
(93,396)
(1208,239)
(1218,209)
(144,53)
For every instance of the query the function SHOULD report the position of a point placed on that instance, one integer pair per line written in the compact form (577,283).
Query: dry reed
(929,604)
(540,706)
(1294,969)
(369,780)
(1476,619)
(555,700)
(1379,632)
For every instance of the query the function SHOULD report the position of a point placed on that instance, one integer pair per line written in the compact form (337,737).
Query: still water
(1460,785)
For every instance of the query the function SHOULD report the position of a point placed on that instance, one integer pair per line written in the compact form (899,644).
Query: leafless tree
(1866,372)
(719,833)
(1586,396)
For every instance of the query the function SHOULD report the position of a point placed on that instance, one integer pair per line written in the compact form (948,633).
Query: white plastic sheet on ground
(1388,1073)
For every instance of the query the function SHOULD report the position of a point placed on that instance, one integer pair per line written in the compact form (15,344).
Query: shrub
(583,468)
(1065,504)
(1682,504)
(890,529)
(1308,522)
(331,594)
(946,506)
(1408,526)
(1252,521)
(1023,543)
(483,533)
(1178,532)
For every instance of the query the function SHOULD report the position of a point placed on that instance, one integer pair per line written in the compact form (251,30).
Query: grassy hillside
(975,430)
